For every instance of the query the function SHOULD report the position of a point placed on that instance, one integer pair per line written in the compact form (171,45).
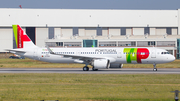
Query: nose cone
(171,58)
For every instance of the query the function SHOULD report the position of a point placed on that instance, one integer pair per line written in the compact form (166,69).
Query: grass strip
(89,87)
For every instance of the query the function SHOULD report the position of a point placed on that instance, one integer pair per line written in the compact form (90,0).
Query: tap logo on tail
(136,54)
(20,36)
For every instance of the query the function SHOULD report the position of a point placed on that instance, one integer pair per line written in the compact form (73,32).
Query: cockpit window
(164,52)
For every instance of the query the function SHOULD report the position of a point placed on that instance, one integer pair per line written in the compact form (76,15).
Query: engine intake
(101,64)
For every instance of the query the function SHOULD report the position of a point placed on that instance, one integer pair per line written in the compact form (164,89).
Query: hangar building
(94,28)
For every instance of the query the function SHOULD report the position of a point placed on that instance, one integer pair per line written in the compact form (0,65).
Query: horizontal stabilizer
(15,51)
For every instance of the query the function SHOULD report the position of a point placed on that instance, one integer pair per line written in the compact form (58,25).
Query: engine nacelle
(101,64)
(116,65)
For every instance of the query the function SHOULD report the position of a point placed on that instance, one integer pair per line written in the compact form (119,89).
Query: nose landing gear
(155,69)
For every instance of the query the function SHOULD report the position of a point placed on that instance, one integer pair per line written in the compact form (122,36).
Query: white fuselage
(115,55)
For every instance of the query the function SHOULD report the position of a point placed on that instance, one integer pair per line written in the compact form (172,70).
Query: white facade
(89,18)
(43,35)
(116,25)
(6,39)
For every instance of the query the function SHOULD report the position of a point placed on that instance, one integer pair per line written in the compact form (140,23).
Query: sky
(93,4)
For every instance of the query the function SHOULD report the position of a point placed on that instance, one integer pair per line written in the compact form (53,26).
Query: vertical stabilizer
(22,40)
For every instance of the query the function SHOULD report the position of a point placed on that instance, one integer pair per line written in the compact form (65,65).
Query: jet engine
(116,65)
(101,64)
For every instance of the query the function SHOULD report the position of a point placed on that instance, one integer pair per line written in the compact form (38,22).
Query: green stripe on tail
(15,33)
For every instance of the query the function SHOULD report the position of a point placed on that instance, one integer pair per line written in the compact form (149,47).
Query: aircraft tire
(155,69)
(85,68)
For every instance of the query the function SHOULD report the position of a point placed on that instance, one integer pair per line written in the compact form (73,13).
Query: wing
(84,58)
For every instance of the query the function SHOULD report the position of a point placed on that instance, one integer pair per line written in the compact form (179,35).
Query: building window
(107,44)
(142,43)
(133,43)
(51,32)
(123,31)
(126,43)
(166,43)
(151,43)
(169,31)
(146,30)
(89,43)
(99,31)
(59,44)
(146,43)
(51,44)
(72,44)
(75,31)
(170,52)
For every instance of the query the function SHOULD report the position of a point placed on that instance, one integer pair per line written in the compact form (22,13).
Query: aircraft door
(119,54)
(78,52)
(153,53)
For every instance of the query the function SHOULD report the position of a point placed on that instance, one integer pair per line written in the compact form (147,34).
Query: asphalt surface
(101,71)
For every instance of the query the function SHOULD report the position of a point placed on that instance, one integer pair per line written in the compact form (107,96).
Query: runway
(102,71)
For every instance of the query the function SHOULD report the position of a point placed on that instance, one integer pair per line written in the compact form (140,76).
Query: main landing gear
(85,68)
(93,69)
(155,69)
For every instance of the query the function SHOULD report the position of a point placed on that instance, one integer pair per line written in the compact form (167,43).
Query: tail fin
(22,39)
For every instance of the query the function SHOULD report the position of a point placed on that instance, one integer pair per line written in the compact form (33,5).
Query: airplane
(98,58)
